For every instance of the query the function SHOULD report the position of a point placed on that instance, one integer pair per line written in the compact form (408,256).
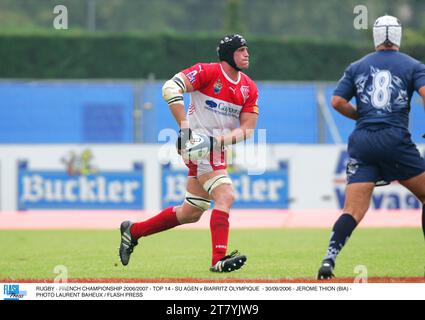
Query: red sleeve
(199,75)
(251,104)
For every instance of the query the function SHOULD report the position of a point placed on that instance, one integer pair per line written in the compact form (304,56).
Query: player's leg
(196,202)
(417,186)
(411,169)
(363,171)
(219,186)
(223,195)
(408,167)
(357,202)
(357,199)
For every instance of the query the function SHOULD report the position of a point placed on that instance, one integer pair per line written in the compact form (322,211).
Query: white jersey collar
(228,78)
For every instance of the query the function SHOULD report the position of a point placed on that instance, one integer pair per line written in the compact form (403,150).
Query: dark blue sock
(341,232)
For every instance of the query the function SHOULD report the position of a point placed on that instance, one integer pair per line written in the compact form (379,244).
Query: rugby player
(224,107)
(380,148)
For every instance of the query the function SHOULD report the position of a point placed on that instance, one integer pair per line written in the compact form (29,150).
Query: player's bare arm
(244,132)
(173,91)
(344,107)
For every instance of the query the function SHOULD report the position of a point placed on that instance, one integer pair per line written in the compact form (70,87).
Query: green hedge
(69,55)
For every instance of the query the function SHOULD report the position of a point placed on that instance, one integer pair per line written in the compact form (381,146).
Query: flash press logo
(12,292)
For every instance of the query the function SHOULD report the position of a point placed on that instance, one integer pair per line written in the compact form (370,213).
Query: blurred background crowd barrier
(110,111)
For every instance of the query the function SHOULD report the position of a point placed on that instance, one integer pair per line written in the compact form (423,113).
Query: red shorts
(214,162)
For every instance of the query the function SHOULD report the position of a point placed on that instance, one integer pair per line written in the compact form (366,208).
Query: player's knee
(197,202)
(193,208)
(225,199)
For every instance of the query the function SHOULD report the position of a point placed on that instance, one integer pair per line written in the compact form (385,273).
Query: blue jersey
(383,83)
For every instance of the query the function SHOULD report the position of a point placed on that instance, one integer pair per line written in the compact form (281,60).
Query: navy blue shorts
(382,155)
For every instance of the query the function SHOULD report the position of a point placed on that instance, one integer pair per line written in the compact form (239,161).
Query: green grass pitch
(272,254)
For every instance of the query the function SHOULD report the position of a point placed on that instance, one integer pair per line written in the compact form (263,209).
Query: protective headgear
(387,31)
(227,47)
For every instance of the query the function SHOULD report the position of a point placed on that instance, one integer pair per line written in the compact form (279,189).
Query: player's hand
(184,136)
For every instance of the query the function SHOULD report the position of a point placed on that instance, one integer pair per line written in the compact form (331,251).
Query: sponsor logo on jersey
(222,108)
(191,76)
(245,93)
(352,167)
(217,86)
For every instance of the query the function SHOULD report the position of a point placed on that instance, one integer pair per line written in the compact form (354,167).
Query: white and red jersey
(218,101)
